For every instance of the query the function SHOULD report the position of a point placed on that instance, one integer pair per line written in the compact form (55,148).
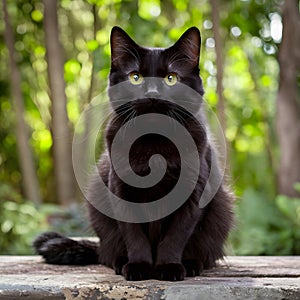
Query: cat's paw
(119,264)
(170,272)
(137,271)
(192,267)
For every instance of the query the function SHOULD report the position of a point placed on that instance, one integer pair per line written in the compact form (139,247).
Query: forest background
(55,58)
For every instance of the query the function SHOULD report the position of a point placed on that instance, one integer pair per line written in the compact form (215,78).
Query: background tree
(288,100)
(219,61)
(60,126)
(28,171)
(218,39)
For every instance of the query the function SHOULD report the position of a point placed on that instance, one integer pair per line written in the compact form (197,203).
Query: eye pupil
(171,79)
(135,78)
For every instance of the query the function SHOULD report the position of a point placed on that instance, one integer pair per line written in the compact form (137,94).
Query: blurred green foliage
(21,221)
(267,223)
(267,227)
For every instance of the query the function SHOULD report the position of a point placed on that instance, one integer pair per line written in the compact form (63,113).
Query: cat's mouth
(151,105)
(154,108)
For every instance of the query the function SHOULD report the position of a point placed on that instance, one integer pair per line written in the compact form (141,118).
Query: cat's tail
(60,250)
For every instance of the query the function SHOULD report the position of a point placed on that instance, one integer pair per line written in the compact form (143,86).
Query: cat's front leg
(139,265)
(168,265)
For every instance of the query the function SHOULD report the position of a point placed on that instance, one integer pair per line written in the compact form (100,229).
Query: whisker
(127,122)
(190,116)
(179,118)
(173,118)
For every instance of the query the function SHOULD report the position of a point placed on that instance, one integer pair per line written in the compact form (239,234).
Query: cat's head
(146,78)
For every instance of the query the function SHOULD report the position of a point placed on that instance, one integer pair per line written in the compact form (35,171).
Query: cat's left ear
(189,44)
(123,48)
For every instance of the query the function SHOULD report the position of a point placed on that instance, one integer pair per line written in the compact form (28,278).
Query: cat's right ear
(189,45)
(122,46)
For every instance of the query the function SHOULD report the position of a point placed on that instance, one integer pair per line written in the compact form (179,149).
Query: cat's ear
(189,44)
(122,46)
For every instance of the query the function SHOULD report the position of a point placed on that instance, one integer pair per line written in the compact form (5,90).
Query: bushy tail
(60,250)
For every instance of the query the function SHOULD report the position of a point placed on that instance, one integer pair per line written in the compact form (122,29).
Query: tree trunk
(219,61)
(60,127)
(28,171)
(288,102)
(220,72)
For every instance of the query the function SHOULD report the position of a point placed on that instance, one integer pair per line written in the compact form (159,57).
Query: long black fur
(188,240)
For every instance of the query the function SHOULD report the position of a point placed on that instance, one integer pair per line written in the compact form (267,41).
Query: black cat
(191,237)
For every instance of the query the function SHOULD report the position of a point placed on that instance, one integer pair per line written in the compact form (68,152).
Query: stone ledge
(237,277)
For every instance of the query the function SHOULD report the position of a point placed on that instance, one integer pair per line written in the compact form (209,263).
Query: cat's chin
(152,117)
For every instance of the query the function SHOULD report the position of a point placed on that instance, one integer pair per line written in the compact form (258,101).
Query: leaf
(72,69)
(297,186)
(92,45)
(149,9)
(290,207)
(37,16)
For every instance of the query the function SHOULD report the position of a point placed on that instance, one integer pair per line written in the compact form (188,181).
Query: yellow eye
(136,78)
(171,79)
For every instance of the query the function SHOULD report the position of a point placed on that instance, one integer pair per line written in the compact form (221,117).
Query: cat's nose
(152,92)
